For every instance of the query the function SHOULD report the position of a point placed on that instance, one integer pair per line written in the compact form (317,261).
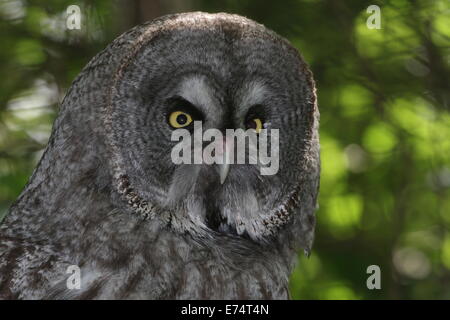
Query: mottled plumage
(107,197)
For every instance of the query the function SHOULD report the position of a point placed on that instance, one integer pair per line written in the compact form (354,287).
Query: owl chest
(174,269)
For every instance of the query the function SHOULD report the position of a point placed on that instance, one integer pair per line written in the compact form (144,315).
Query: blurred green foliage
(385,124)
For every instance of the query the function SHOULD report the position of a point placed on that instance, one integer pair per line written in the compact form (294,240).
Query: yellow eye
(259,125)
(180,119)
(255,124)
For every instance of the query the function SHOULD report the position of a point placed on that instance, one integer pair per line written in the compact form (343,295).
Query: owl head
(221,72)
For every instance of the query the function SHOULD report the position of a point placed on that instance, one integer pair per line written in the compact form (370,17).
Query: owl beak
(223,171)
(227,159)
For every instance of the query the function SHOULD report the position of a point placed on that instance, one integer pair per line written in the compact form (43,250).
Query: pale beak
(223,171)
(227,156)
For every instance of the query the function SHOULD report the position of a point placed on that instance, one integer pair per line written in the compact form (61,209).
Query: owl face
(224,74)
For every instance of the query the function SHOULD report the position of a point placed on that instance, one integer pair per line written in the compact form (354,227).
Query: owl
(107,214)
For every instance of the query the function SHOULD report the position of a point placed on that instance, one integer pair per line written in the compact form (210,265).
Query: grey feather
(102,196)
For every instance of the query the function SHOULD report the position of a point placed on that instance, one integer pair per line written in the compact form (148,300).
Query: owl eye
(180,119)
(255,124)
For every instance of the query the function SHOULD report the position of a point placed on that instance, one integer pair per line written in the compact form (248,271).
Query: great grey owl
(107,198)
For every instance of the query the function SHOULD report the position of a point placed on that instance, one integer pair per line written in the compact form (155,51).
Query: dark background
(385,124)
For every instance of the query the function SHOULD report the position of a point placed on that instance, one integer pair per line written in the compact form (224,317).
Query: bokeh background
(385,123)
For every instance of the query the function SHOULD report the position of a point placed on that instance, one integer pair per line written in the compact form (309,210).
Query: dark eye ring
(255,118)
